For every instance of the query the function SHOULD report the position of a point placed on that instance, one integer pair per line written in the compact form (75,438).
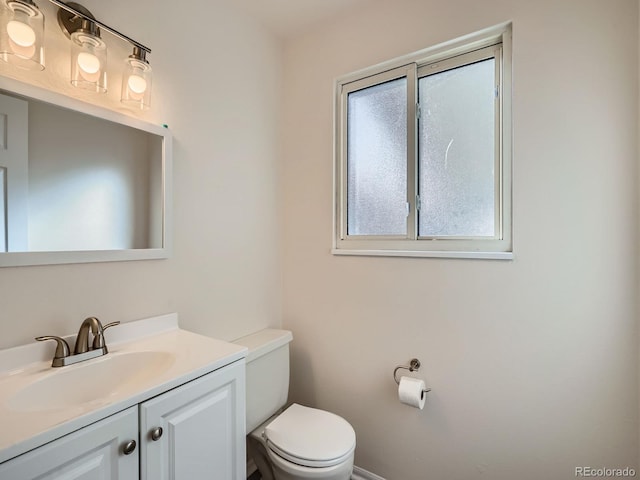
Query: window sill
(426,254)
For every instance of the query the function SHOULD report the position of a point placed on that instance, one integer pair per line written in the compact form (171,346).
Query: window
(423,153)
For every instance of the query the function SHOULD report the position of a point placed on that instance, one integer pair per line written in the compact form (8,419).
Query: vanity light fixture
(89,55)
(21,34)
(21,43)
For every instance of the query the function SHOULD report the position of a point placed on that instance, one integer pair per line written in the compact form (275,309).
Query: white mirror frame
(16,259)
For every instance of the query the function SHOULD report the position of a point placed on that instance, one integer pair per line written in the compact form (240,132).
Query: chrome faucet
(84,350)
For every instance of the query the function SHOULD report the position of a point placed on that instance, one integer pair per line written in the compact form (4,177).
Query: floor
(255,476)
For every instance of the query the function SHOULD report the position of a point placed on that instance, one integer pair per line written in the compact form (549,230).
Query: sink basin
(91,383)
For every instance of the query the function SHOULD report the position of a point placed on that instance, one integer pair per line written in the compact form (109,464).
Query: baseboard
(362,474)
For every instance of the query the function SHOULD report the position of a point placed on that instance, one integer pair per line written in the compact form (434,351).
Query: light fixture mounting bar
(100,24)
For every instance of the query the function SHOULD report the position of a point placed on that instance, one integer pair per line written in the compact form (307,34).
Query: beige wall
(217,86)
(533,362)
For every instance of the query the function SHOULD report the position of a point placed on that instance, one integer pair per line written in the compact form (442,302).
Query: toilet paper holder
(414,366)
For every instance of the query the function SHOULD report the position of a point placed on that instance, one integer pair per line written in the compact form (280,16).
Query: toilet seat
(305,462)
(310,437)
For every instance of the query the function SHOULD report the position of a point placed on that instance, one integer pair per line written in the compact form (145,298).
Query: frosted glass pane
(457,152)
(377,160)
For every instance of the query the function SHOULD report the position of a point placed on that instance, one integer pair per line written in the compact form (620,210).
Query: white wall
(217,86)
(533,362)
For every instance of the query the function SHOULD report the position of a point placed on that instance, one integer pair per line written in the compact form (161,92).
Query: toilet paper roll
(411,392)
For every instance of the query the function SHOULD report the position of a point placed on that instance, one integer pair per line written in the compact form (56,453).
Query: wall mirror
(79,183)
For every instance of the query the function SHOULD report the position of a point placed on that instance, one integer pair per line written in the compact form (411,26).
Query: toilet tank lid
(264,341)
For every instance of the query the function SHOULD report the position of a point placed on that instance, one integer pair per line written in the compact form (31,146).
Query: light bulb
(88,63)
(137,84)
(21,33)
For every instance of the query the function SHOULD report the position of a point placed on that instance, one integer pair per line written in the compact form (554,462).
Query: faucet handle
(98,340)
(62,348)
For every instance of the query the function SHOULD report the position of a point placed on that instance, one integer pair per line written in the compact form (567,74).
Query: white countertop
(193,355)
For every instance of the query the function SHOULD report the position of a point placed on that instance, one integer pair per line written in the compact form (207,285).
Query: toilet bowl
(299,442)
(304,443)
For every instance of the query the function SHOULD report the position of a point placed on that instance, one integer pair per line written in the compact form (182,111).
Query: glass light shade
(136,83)
(22,34)
(88,62)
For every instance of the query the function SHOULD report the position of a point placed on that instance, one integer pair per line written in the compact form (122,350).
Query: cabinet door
(92,453)
(203,429)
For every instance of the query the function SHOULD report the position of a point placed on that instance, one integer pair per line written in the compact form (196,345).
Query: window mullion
(342,174)
(412,151)
(499,203)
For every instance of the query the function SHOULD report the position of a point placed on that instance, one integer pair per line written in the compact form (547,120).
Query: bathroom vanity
(163,403)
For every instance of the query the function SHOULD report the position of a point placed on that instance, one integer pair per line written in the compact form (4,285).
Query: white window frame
(494,42)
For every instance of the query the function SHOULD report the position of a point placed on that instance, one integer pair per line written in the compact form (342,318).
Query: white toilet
(299,442)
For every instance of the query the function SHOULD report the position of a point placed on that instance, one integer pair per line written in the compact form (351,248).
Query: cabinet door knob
(156,433)
(129,447)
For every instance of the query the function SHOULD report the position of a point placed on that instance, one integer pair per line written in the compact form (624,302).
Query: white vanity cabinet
(195,431)
(92,453)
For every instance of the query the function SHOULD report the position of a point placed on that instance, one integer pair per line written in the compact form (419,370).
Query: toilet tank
(267,373)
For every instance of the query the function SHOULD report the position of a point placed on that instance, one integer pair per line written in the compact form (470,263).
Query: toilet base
(285,470)
(258,452)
